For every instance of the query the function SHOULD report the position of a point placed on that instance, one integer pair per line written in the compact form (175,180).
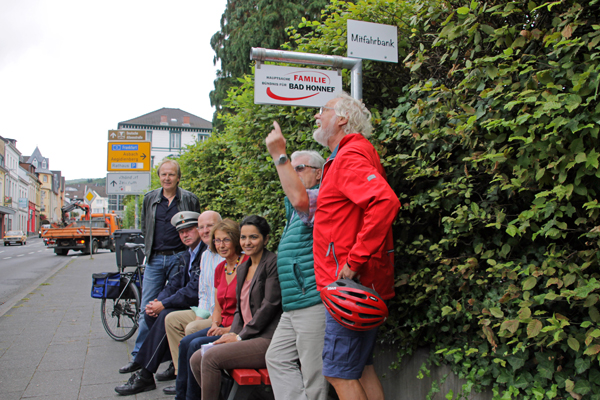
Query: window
(45,178)
(202,137)
(175,140)
(35,163)
(149,136)
(44,165)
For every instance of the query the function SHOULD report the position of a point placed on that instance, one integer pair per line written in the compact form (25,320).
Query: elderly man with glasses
(298,340)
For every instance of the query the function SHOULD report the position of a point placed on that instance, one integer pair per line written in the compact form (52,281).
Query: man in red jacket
(352,238)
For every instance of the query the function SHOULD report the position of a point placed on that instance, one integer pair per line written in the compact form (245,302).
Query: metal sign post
(89,198)
(259,55)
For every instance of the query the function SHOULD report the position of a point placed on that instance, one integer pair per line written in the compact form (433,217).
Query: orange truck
(75,235)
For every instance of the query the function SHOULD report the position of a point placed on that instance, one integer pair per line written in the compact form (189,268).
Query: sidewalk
(53,345)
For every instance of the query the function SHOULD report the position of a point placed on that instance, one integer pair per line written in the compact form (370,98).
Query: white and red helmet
(353,305)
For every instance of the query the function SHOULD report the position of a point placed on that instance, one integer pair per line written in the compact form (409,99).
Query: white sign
(372,41)
(89,196)
(295,86)
(127,183)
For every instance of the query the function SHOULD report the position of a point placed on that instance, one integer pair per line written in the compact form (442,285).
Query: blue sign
(124,147)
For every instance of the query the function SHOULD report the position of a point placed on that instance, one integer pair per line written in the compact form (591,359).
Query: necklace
(234,267)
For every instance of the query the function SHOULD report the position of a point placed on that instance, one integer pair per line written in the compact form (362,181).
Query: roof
(77,190)
(37,155)
(174,118)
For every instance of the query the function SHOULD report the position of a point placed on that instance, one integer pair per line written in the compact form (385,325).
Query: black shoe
(136,384)
(130,367)
(168,374)
(170,390)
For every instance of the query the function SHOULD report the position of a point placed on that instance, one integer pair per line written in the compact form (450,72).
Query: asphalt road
(23,268)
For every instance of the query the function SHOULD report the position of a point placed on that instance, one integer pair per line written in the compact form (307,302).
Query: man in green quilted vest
(294,358)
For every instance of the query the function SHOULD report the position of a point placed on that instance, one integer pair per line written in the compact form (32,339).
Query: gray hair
(314,157)
(359,118)
(169,160)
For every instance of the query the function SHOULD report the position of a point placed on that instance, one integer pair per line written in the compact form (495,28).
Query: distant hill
(98,181)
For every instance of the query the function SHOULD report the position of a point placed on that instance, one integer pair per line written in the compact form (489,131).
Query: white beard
(322,135)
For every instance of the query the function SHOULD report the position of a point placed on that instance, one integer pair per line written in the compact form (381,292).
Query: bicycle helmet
(353,305)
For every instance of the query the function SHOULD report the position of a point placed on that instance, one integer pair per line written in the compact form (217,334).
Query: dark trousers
(155,348)
(186,385)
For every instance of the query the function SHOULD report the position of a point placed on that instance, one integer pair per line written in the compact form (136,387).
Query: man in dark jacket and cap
(180,293)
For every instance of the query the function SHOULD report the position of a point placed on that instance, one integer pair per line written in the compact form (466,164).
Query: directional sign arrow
(113,183)
(143,156)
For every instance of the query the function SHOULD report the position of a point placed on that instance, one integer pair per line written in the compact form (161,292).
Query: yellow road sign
(129,156)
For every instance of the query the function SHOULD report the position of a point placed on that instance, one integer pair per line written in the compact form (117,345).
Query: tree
(246,24)
(488,130)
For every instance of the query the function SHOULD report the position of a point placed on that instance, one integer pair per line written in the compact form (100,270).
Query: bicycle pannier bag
(106,285)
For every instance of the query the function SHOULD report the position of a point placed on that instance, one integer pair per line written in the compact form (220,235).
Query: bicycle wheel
(120,317)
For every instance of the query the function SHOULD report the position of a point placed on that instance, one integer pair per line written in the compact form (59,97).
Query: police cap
(185,219)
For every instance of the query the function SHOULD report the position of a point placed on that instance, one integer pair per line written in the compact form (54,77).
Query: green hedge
(488,130)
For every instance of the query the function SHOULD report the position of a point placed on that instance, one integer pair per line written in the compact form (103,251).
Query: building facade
(51,193)
(169,130)
(14,220)
(5,210)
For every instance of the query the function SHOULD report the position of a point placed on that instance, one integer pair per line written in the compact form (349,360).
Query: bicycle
(120,316)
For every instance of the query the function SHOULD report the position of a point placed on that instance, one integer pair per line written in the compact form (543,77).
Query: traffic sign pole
(89,198)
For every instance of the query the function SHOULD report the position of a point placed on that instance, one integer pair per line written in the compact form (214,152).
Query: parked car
(14,237)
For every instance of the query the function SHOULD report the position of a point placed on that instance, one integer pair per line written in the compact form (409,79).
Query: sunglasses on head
(301,167)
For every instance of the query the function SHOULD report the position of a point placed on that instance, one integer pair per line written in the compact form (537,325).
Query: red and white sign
(295,86)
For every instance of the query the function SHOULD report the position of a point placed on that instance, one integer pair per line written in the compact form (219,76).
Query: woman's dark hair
(232,229)
(259,222)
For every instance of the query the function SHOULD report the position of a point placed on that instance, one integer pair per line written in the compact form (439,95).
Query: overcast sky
(70,70)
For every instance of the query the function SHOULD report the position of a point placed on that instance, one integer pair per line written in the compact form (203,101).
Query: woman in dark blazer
(256,316)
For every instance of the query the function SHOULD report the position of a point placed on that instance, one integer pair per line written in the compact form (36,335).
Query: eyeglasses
(301,167)
(325,108)
(225,241)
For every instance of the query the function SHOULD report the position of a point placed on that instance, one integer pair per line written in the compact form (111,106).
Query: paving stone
(22,359)
(63,357)
(11,395)
(49,383)
(14,380)
(54,397)
(99,391)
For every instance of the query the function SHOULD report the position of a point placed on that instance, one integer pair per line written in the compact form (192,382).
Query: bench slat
(264,373)
(244,376)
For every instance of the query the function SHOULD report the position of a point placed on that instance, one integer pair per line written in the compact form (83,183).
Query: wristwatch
(281,160)
(238,338)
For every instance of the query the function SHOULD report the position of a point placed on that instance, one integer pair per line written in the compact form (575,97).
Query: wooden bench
(246,380)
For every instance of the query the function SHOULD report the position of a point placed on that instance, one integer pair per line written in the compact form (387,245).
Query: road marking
(32,252)
(7,258)
(20,255)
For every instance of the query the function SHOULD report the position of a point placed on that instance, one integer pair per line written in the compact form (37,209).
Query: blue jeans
(158,270)
(186,385)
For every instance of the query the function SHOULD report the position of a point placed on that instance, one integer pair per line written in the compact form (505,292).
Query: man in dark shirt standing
(161,239)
